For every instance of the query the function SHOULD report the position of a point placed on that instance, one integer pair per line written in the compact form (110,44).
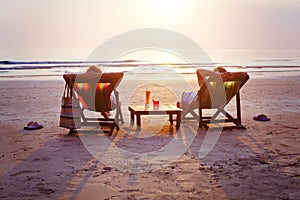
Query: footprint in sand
(42,159)
(47,191)
(24,172)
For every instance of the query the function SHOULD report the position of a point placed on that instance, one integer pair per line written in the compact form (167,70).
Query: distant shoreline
(10,69)
(25,65)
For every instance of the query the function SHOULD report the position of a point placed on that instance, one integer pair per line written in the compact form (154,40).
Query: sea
(258,64)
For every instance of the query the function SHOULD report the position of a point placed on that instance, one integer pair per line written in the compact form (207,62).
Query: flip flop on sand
(32,125)
(261,117)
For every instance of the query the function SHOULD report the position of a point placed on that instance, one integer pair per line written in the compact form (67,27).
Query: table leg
(138,121)
(131,118)
(171,118)
(178,120)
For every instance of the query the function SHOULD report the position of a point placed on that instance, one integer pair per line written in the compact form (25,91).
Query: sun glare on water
(166,57)
(153,56)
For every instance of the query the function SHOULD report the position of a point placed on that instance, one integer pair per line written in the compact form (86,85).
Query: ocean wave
(273,60)
(11,62)
(274,66)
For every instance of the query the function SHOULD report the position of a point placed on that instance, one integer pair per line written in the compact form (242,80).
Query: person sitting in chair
(189,96)
(95,69)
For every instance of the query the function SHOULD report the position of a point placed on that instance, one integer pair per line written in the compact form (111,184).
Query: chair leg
(119,115)
(83,116)
(238,108)
(200,118)
(112,127)
(194,114)
(117,127)
(72,131)
(186,112)
(200,109)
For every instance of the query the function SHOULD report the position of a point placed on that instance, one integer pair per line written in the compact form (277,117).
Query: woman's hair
(220,69)
(93,69)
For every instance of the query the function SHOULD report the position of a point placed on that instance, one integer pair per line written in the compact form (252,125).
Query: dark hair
(93,69)
(220,69)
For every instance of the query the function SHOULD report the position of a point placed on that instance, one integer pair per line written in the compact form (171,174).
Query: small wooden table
(162,110)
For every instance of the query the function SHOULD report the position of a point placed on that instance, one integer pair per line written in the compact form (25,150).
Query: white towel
(188,97)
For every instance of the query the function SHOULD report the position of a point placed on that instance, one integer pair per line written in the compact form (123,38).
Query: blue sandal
(261,117)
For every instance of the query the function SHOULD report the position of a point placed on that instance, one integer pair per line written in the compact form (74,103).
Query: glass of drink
(147,98)
(155,104)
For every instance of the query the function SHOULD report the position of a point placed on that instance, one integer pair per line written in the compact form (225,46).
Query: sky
(73,28)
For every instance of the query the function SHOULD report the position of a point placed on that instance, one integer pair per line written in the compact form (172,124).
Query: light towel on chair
(189,97)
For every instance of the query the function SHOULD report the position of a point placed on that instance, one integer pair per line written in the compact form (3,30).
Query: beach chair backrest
(217,89)
(94,90)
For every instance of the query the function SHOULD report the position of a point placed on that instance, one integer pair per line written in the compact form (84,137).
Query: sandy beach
(261,162)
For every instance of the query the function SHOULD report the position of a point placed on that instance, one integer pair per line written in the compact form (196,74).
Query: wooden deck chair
(94,92)
(216,91)
(189,105)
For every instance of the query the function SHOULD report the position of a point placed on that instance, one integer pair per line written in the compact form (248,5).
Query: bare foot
(178,104)
(105,114)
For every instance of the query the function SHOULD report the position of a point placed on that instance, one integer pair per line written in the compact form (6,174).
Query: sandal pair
(32,125)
